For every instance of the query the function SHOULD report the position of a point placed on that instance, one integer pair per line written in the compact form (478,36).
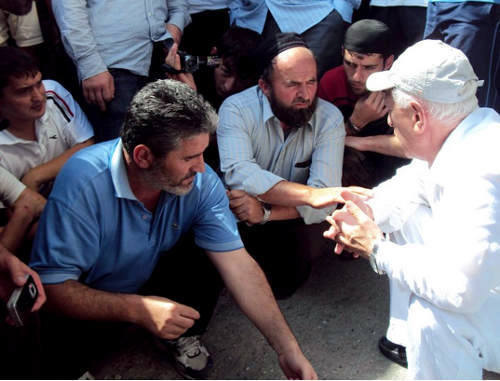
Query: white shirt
(61,127)
(458,265)
(10,187)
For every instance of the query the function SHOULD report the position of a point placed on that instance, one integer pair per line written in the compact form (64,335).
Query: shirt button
(144,217)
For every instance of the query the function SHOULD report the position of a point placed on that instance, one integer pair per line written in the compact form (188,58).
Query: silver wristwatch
(266,208)
(373,257)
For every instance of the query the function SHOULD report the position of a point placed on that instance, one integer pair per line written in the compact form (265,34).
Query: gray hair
(163,114)
(447,112)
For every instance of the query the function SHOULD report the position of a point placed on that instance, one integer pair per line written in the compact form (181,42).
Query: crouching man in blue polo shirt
(119,209)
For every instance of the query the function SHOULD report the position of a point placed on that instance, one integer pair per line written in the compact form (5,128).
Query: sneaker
(191,357)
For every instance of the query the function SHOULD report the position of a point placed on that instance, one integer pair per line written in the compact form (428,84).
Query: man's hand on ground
(166,318)
(245,207)
(99,89)
(296,366)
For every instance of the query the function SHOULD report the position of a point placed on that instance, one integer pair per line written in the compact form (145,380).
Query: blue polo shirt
(94,229)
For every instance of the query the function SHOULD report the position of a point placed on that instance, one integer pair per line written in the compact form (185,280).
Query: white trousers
(449,345)
(441,344)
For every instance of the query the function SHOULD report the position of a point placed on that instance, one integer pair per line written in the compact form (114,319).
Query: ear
(264,86)
(142,156)
(418,118)
(388,62)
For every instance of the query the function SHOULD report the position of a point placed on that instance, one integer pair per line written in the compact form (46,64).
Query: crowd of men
(322,134)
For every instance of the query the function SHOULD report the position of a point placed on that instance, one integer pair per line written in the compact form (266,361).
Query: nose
(305,92)
(199,166)
(38,93)
(358,75)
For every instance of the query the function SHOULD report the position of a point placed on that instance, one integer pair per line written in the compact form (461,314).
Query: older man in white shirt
(452,276)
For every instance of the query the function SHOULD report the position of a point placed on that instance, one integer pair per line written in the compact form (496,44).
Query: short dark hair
(164,113)
(15,62)
(237,46)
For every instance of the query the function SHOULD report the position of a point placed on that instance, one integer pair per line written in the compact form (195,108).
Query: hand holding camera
(28,294)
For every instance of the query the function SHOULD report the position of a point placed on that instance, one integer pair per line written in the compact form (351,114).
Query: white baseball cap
(430,70)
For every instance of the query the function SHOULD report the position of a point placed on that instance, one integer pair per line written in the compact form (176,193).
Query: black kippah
(369,36)
(274,45)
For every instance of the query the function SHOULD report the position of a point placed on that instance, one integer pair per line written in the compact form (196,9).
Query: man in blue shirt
(116,208)
(321,23)
(111,44)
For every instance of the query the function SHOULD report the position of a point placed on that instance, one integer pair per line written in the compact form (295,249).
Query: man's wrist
(373,256)
(266,209)
(355,127)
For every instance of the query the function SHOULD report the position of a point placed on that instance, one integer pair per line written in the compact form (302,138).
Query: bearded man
(277,143)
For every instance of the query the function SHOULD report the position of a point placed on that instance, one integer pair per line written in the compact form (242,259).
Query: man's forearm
(383,144)
(249,287)
(78,301)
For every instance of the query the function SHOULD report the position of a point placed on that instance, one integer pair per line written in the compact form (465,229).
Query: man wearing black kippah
(279,145)
(367,49)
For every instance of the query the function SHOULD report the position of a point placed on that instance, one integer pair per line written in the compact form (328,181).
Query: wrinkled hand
(166,318)
(369,108)
(245,207)
(296,366)
(323,197)
(99,89)
(13,274)
(353,228)
(174,60)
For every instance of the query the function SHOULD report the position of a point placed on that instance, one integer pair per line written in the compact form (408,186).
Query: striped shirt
(255,156)
(296,16)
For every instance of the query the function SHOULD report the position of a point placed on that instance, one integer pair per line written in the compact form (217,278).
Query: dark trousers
(324,39)
(285,250)
(474,28)
(107,124)
(184,274)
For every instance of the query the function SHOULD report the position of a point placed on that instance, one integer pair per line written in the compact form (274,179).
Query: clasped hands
(352,227)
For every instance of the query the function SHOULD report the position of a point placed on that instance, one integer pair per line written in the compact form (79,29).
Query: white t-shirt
(61,127)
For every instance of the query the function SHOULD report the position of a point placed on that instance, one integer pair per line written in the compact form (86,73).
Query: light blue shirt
(94,229)
(102,34)
(255,155)
(291,16)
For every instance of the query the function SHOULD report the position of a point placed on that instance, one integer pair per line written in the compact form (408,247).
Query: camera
(190,63)
(21,301)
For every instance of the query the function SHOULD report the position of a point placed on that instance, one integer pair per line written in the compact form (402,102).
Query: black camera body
(190,63)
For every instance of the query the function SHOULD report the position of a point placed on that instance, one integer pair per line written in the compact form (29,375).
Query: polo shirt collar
(119,174)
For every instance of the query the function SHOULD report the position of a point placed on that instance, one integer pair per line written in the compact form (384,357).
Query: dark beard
(290,116)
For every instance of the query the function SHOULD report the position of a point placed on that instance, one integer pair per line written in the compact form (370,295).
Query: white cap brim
(382,80)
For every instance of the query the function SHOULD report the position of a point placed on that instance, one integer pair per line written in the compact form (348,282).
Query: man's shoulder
(327,111)
(245,98)
(88,164)
(59,100)
(333,85)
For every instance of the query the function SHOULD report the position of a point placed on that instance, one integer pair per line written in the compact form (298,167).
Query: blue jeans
(107,124)
(472,27)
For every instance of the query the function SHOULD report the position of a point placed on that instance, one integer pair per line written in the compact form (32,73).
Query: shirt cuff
(90,66)
(311,215)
